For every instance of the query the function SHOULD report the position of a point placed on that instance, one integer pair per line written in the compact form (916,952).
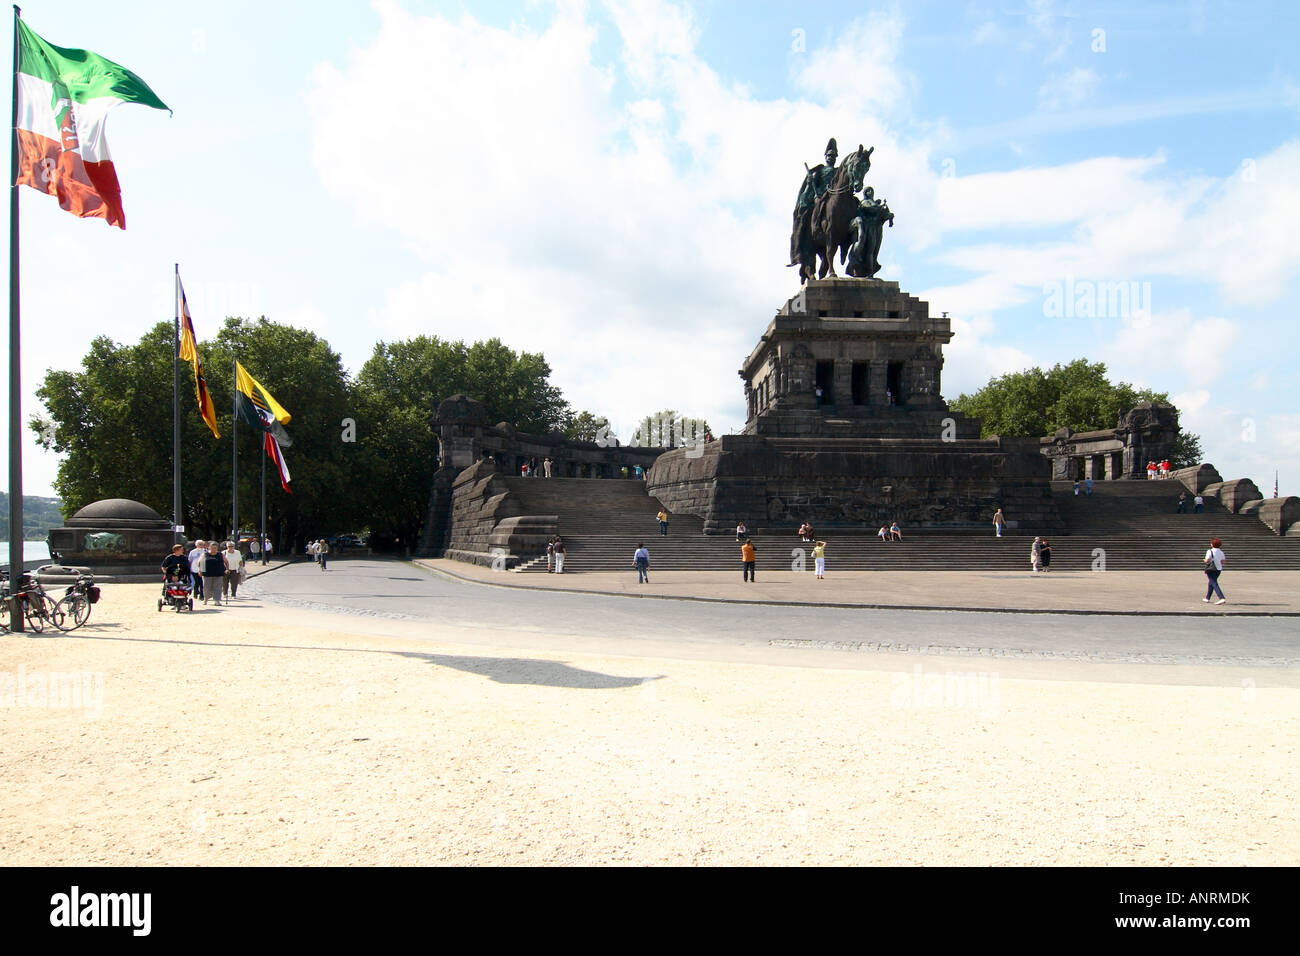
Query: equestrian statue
(829,217)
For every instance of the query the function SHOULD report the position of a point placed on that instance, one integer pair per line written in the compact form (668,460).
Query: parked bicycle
(39,608)
(73,609)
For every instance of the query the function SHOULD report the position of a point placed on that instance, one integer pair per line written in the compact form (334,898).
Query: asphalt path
(389,588)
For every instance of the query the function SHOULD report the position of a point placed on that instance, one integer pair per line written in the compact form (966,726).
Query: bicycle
(73,609)
(38,607)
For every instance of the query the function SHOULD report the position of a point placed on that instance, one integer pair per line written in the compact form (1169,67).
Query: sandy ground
(253,735)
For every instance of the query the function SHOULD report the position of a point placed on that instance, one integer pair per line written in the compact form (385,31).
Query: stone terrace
(1133,521)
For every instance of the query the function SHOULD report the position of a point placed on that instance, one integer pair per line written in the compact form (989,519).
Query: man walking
(998,521)
(747,557)
(642,561)
(322,549)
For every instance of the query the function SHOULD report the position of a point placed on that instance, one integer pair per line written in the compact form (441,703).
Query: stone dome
(118,513)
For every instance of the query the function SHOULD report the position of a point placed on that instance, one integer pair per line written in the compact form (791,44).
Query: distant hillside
(39,516)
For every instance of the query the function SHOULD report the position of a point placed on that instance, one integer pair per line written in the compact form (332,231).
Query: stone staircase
(1133,522)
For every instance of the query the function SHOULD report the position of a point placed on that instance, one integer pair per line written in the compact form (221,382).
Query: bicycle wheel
(34,612)
(71,612)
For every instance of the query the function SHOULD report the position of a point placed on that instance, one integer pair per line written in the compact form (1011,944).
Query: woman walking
(1214,559)
(214,569)
(819,559)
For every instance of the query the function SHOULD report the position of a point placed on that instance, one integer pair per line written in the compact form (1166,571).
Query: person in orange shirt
(747,554)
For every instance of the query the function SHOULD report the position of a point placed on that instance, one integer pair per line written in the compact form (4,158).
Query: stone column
(842,383)
(878,384)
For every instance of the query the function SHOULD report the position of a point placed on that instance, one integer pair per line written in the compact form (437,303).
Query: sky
(610,183)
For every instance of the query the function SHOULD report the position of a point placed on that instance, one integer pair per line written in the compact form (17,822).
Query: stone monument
(846,425)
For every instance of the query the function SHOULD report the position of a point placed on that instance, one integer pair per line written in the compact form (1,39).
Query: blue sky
(611,183)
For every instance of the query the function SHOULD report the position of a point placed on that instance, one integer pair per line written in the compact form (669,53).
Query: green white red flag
(64,98)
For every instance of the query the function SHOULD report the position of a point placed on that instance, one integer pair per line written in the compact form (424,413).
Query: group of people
(1158,469)
(892,533)
(212,573)
(555,555)
(1198,503)
(1040,555)
(1087,486)
(319,551)
(530,468)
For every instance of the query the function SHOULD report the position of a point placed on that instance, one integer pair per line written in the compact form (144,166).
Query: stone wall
(479,502)
(1279,514)
(1233,494)
(857,483)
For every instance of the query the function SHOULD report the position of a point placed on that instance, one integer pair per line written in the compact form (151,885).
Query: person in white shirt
(1214,559)
(234,561)
(196,559)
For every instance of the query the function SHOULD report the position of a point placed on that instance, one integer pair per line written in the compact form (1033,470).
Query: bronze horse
(835,209)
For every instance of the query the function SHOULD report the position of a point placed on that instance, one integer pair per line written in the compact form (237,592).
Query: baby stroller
(176,594)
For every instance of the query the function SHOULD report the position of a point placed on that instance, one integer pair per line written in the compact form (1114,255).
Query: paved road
(395,589)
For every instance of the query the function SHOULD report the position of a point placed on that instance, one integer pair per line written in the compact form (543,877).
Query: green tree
(112,421)
(1078,396)
(398,390)
(585,426)
(668,429)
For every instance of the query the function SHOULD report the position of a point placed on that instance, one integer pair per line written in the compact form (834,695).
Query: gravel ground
(232,737)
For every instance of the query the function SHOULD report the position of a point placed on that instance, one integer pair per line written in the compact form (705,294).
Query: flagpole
(15,366)
(176,410)
(262,530)
(234,450)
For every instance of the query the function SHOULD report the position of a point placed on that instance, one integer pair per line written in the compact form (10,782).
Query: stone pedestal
(875,352)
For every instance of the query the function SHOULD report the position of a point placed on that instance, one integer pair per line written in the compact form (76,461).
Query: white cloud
(1068,89)
(638,241)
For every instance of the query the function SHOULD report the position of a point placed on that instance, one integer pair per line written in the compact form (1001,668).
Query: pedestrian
(559,555)
(895,533)
(254,549)
(1199,503)
(819,559)
(663,522)
(550,555)
(742,533)
(176,566)
(1151,470)
(1214,561)
(998,521)
(323,549)
(747,558)
(311,551)
(1076,488)
(234,562)
(532,467)
(1036,554)
(1045,556)
(1164,468)
(1087,486)
(196,558)
(883,534)
(546,465)
(638,470)
(1182,503)
(641,558)
(214,569)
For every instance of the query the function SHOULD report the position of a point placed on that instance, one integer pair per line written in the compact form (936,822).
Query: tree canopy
(363,451)
(1078,396)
